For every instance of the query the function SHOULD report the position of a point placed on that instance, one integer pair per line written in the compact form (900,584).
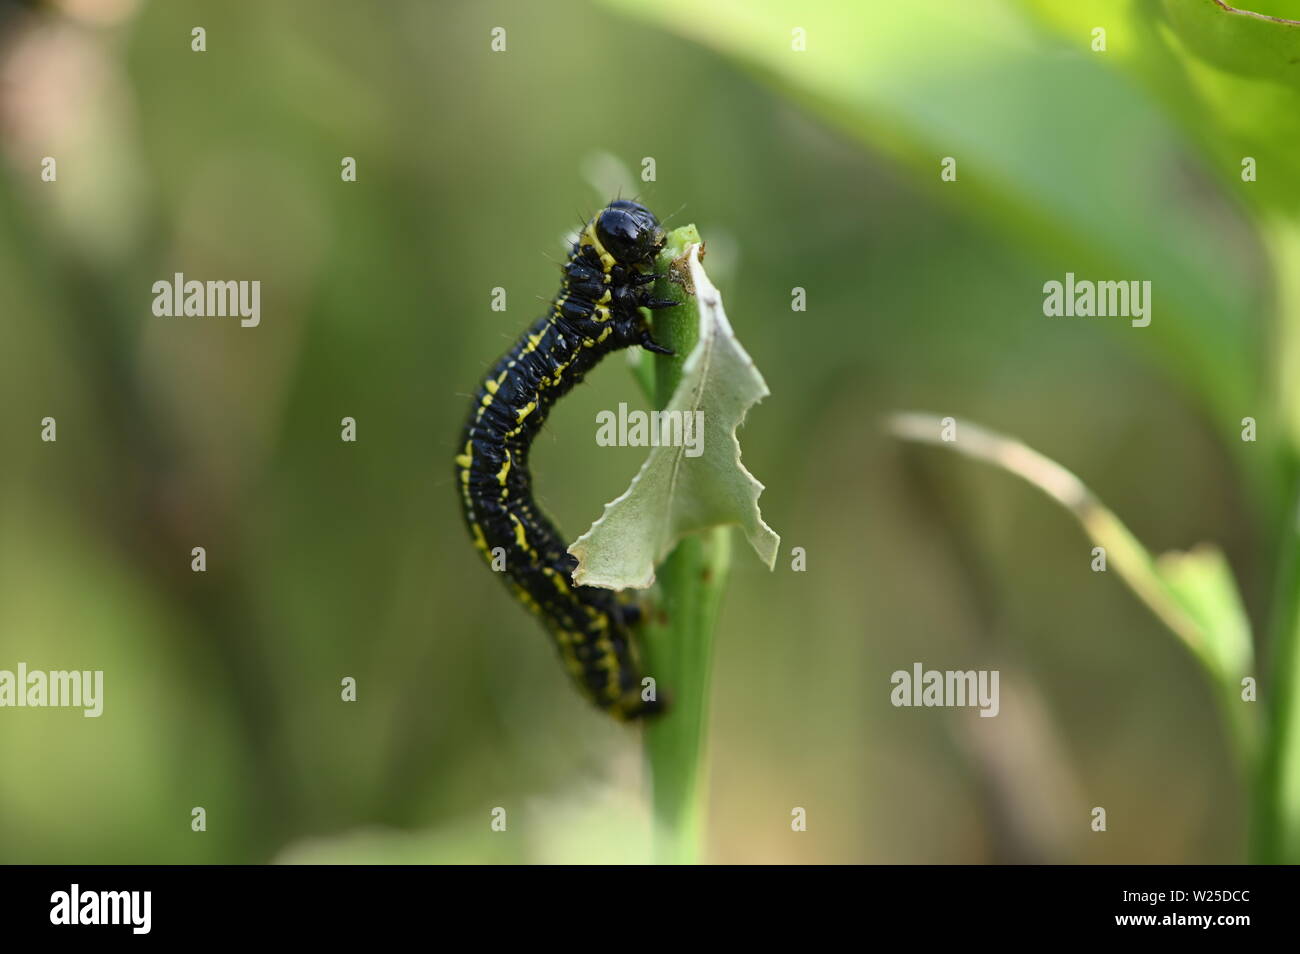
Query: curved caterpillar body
(597,311)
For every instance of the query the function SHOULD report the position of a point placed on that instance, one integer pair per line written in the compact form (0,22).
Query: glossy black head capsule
(630,232)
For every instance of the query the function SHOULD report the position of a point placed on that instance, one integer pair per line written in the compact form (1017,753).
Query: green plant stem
(679,649)
(1275,821)
(677,637)
(1275,807)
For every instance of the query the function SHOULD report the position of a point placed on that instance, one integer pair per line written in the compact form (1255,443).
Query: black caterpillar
(597,311)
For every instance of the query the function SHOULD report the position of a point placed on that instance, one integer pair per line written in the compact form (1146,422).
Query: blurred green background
(817,169)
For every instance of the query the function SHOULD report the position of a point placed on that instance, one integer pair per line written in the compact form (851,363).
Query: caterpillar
(597,311)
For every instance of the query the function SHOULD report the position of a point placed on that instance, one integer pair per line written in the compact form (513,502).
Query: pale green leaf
(1201,580)
(676,494)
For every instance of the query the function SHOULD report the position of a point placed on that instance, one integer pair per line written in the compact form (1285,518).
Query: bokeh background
(817,169)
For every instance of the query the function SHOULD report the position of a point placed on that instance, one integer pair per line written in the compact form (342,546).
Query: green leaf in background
(1193,594)
(1228,78)
(1201,580)
(677,493)
(1224,76)
(1251,42)
(1064,156)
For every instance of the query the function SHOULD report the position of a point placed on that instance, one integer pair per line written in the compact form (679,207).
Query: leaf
(1068,158)
(1193,593)
(1238,39)
(1231,114)
(1201,580)
(676,494)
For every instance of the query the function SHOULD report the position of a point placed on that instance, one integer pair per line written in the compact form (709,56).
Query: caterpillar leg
(650,344)
(631,613)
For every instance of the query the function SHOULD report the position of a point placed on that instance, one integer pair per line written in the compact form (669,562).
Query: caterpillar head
(630,232)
